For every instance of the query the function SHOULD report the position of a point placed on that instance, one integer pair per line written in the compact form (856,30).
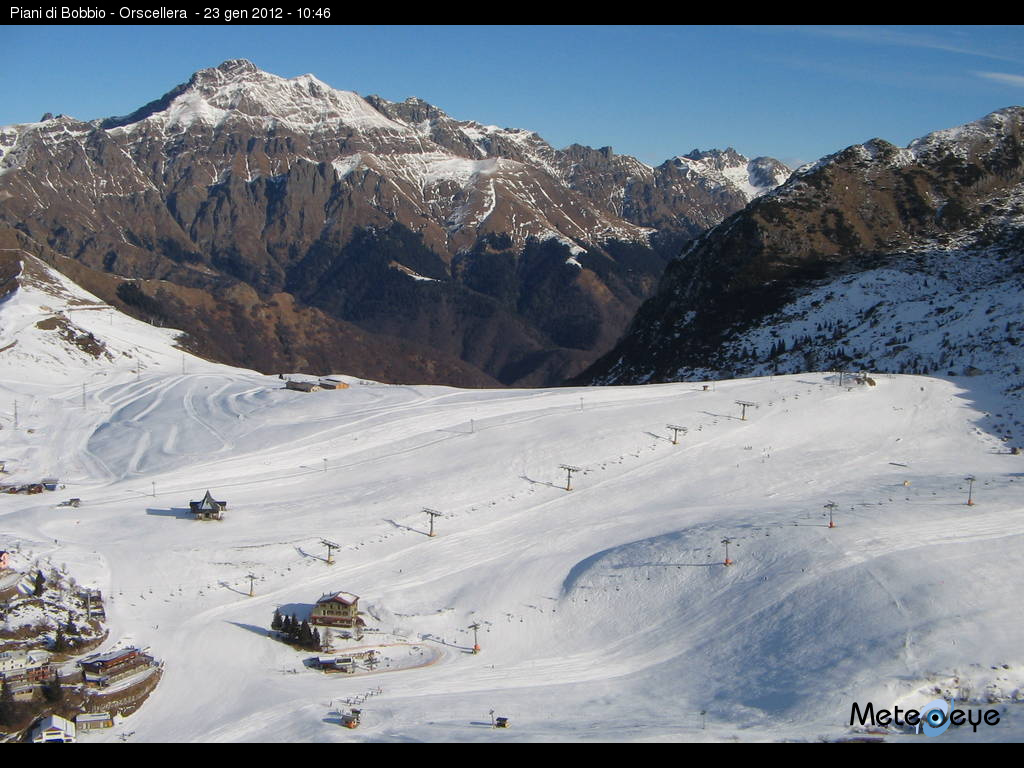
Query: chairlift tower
(970,489)
(432,513)
(676,429)
(331,546)
(475,626)
(727,541)
(831,507)
(744,404)
(569,469)
(252,581)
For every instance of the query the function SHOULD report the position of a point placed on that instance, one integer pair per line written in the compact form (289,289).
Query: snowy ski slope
(605,612)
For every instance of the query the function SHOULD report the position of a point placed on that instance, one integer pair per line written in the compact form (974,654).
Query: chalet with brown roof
(303,386)
(105,668)
(333,384)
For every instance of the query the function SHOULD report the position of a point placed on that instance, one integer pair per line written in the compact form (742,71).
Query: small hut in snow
(208,508)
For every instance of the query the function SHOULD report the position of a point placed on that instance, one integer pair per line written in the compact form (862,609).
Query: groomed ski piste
(605,612)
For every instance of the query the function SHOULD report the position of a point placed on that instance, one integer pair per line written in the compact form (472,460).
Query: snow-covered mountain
(442,233)
(604,614)
(752,178)
(879,258)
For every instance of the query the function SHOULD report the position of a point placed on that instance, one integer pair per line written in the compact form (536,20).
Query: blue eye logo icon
(934,718)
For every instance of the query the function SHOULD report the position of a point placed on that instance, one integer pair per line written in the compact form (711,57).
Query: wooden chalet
(303,386)
(333,384)
(208,508)
(339,609)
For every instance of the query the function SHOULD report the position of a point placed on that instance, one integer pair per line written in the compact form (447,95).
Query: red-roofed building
(339,609)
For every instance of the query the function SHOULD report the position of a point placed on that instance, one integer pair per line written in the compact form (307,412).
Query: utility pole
(252,581)
(970,490)
(676,430)
(432,513)
(325,465)
(569,470)
(331,546)
(744,404)
(476,644)
(727,541)
(154,489)
(831,506)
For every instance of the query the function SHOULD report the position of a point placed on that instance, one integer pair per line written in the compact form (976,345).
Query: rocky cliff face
(286,204)
(878,257)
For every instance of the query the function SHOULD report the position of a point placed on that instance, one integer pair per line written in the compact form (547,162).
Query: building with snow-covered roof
(17,664)
(338,609)
(90,721)
(54,729)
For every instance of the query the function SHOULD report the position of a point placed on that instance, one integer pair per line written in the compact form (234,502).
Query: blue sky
(796,93)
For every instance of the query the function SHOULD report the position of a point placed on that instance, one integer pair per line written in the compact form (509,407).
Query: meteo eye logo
(933,719)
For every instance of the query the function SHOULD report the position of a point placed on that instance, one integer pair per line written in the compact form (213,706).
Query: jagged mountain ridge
(391,216)
(877,257)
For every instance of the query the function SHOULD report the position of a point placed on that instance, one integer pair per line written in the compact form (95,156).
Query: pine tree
(8,712)
(53,691)
(286,625)
(60,642)
(293,632)
(305,634)
(278,622)
(40,583)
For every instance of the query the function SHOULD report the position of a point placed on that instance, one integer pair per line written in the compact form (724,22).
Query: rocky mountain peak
(237,68)
(230,71)
(719,159)
(727,168)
